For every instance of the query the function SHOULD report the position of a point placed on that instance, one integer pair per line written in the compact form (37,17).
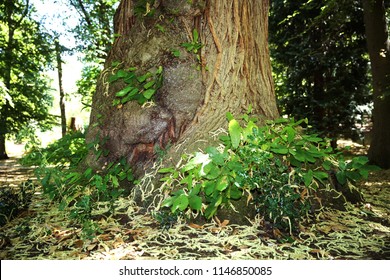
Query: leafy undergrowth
(44,232)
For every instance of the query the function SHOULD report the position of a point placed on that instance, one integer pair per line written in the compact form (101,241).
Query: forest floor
(44,232)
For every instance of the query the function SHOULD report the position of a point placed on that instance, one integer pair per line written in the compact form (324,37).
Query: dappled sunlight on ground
(45,232)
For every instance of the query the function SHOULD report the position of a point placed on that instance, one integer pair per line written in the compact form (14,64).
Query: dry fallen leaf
(195,226)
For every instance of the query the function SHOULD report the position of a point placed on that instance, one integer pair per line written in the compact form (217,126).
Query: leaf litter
(45,232)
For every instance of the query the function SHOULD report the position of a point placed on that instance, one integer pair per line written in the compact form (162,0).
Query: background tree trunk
(379,50)
(61,88)
(231,73)
(3,152)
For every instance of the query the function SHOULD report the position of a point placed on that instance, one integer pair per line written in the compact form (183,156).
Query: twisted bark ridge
(230,71)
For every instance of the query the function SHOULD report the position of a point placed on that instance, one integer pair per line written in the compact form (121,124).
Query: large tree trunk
(379,50)
(232,72)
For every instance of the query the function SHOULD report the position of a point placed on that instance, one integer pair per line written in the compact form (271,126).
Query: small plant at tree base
(274,167)
(74,190)
(66,151)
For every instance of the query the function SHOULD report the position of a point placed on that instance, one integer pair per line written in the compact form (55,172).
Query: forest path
(12,173)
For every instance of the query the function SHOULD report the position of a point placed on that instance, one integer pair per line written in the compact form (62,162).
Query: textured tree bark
(379,50)
(231,72)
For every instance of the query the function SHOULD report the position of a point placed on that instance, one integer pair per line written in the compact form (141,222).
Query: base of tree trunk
(4,157)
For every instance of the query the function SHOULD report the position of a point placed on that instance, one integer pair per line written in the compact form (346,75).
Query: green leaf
(210,211)
(234,166)
(195,190)
(354,175)
(211,171)
(195,202)
(308,178)
(341,177)
(143,78)
(229,116)
(290,134)
(320,175)
(216,156)
(124,91)
(166,170)
(209,188)
(187,180)
(222,184)
(181,203)
(234,192)
(118,75)
(88,172)
(114,181)
(129,78)
(198,159)
(248,130)
(281,151)
(327,165)
(176,53)
(127,98)
(195,35)
(167,202)
(149,93)
(235,133)
(160,28)
(149,84)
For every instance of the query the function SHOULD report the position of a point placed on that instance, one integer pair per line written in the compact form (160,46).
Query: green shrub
(274,167)
(77,191)
(66,151)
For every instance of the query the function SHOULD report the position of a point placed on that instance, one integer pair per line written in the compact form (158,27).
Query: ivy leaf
(199,158)
(118,75)
(149,93)
(211,171)
(167,202)
(176,53)
(234,192)
(195,202)
(341,177)
(222,184)
(308,178)
(149,84)
(281,151)
(208,188)
(290,134)
(235,133)
(124,91)
(167,170)
(216,156)
(181,203)
(195,35)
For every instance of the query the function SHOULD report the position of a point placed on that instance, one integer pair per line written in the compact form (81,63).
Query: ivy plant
(138,87)
(274,167)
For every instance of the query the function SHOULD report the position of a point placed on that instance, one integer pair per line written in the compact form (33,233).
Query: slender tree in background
(61,88)
(212,57)
(378,43)
(24,55)
(320,64)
